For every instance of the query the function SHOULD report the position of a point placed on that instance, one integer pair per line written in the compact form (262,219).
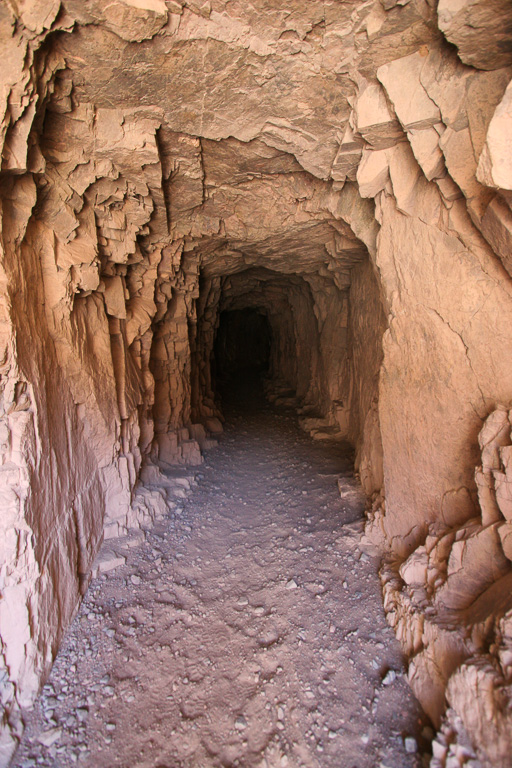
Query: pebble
(135,579)
(240,723)
(410,745)
(49,737)
(389,677)
(292,584)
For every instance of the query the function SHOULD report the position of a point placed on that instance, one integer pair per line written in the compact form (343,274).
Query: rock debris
(246,630)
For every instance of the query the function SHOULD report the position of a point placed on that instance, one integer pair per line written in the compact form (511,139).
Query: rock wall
(343,168)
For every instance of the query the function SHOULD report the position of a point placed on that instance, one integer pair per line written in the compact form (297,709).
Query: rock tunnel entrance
(172,173)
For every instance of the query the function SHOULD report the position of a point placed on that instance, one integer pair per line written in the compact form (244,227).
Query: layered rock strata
(343,169)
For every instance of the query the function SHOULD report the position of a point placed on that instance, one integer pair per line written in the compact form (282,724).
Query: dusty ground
(247,630)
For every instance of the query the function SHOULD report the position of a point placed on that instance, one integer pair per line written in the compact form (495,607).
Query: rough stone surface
(337,168)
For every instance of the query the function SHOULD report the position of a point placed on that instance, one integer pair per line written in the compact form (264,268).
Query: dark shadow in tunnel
(241,354)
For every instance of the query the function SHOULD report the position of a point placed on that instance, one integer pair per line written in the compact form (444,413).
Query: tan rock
(476,561)
(165,163)
(479,29)
(375,122)
(401,79)
(505,531)
(495,163)
(115,297)
(348,156)
(414,570)
(373,172)
(425,146)
(497,227)
(471,691)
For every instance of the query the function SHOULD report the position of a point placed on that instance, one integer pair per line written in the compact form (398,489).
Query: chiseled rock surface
(338,165)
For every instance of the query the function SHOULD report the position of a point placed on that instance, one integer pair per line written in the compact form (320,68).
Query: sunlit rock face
(341,169)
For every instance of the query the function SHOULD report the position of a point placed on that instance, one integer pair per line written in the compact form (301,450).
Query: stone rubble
(295,681)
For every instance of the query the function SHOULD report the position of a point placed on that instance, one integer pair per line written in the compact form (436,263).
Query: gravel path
(247,630)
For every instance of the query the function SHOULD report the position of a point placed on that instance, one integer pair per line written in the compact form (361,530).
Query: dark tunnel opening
(242,349)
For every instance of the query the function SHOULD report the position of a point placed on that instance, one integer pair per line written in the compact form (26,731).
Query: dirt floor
(246,630)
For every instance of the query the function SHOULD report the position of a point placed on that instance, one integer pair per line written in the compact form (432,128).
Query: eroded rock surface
(341,168)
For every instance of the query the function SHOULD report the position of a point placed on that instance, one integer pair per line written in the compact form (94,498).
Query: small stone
(292,584)
(411,747)
(49,737)
(280,713)
(389,677)
(439,750)
(135,580)
(240,723)
(242,601)
(110,726)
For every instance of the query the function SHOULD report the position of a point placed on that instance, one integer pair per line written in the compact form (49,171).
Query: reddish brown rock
(336,169)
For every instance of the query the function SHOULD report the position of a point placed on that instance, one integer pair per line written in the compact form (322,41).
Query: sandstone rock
(505,532)
(414,570)
(494,484)
(496,228)
(373,172)
(348,156)
(402,81)
(107,560)
(480,30)
(486,718)
(375,122)
(495,165)
(476,561)
(165,164)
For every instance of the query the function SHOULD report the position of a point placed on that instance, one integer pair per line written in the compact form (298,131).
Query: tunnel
(242,346)
(255,384)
